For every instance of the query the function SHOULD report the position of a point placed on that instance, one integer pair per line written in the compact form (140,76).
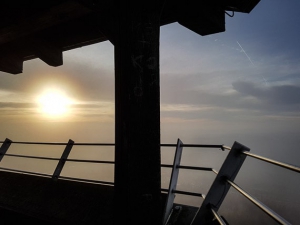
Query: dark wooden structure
(41,200)
(44,29)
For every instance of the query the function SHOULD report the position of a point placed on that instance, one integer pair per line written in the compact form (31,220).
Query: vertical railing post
(173,182)
(62,160)
(220,187)
(4,148)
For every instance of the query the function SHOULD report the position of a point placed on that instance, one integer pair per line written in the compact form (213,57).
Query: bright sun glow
(54,103)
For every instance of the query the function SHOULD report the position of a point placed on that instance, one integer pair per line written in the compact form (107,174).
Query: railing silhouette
(61,161)
(212,201)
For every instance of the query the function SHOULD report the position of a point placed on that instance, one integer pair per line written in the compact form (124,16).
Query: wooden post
(137,115)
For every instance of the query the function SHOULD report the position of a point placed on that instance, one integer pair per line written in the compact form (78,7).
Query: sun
(54,103)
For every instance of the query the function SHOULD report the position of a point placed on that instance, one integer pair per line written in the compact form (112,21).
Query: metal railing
(224,180)
(6,144)
(240,151)
(61,161)
(212,200)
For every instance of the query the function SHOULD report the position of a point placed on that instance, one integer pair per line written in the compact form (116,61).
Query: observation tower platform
(45,29)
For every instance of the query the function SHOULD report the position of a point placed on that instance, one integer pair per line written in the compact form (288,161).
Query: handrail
(260,205)
(218,217)
(185,193)
(56,159)
(188,167)
(225,147)
(30,156)
(112,144)
(90,161)
(272,161)
(102,161)
(213,210)
(106,162)
(277,163)
(59,143)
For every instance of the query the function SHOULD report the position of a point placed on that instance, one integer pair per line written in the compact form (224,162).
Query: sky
(239,85)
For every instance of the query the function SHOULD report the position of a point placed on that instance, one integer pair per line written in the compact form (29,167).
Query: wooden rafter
(46,51)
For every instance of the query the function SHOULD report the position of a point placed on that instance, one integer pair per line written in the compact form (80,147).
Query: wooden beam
(34,23)
(240,6)
(137,114)
(46,51)
(10,63)
(205,20)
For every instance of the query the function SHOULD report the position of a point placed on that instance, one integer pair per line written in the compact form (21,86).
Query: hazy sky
(240,85)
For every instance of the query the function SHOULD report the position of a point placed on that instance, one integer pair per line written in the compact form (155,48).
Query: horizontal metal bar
(38,143)
(263,207)
(185,193)
(60,143)
(168,145)
(95,144)
(162,145)
(90,161)
(107,162)
(281,164)
(215,171)
(188,193)
(112,144)
(166,165)
(201,146)
(26,172)
(225,147)
(192,145)
(86,180)
(218,217)
(188,167)
(49,158)
(195,168)
(31,157)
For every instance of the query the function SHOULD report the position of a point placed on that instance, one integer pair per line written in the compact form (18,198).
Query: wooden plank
(240,6)
(34,23)
(205,20)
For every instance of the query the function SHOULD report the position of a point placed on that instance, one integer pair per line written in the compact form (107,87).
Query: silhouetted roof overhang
(44,29)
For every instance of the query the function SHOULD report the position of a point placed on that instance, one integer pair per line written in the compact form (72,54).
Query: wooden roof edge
(45,35)
(240,6)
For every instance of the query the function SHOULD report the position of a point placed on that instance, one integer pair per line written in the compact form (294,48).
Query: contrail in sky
(250,60)
(245,53)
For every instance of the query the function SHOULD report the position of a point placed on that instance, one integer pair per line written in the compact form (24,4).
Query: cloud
(17,105)
(191,95)
(274,95)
